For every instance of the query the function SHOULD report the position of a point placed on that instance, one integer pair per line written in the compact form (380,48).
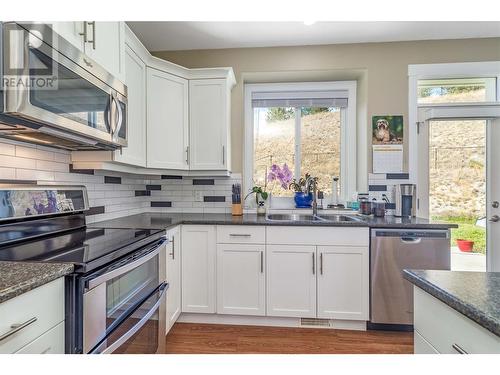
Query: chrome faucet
(314,181)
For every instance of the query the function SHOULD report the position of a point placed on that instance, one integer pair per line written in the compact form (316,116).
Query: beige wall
(380,68)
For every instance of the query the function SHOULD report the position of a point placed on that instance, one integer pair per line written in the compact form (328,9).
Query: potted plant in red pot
(465,246)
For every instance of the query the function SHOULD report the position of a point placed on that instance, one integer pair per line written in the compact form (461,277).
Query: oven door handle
(110,349)
(92,283)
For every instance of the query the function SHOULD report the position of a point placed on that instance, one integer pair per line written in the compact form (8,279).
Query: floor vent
(312,322)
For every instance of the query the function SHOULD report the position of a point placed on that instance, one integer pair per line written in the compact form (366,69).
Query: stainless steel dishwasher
(391,251)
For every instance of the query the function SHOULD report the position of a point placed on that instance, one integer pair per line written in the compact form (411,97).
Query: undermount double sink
(312,218)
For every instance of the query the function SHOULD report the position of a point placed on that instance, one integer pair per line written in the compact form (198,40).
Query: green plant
(257,190)
(301,185)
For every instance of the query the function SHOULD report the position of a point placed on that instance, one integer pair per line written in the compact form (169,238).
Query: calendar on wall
(387,158)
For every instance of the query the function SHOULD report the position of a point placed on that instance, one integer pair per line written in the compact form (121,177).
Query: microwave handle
(119,120)
(110,349)
(92,283)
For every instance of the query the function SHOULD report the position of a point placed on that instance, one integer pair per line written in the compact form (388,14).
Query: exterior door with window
(459,180)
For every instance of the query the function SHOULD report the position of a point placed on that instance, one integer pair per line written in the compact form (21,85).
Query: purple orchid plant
(283,175)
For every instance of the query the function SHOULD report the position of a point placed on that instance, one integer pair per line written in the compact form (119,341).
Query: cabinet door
(291,281)
(198,268)
(209,120)
(71,31)
(106,46)
(173,276)
(241,279)
(343,285)
(167,121)
(135,152)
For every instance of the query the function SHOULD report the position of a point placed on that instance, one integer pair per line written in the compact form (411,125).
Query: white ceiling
(159,36)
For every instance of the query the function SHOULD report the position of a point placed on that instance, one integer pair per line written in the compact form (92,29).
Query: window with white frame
(310,127)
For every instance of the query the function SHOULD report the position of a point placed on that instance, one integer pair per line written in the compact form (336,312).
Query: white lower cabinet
(198,268)
(173,277)
(26,319)
(446,330)
(241,283)
(421,345)
(51,342)
(291,281)
(343,286)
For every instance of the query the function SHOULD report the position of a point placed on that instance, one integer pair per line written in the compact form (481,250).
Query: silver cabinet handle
(494,219)
(314,265)
(321,263)
(93,34)
(495,204)
(223,156)
(84,32)
(187,155)
(240,235)
(17,327)
(261,262)
(459,349)
(172,254)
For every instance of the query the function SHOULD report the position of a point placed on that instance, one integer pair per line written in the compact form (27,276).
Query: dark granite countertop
(20,277)
(165,220)
(474,294)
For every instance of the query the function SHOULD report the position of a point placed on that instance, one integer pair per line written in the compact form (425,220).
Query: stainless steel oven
(53,94)
(124,308)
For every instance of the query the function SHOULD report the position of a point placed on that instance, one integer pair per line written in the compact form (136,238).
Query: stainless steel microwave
(52,94)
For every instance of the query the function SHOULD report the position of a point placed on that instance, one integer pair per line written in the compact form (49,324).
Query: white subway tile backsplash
(20,161)
(7,149)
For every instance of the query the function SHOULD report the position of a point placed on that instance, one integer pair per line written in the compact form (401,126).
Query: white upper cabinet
(167,120)
(135,79)
(106,46)
(104,42)
(209,103)
(71,31)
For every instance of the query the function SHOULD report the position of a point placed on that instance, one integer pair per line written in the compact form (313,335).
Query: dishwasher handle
(412,236)
(411,240)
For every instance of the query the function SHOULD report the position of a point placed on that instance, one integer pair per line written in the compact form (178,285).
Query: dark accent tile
(377,188)
(214,198)
(112,180)
(153,187)
(80,171)
(161,204)
(142,193)
(199,181)
(397,176)
(95,211)
(390,206)
(170,177)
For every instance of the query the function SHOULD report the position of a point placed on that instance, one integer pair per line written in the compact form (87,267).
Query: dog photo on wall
(387,130)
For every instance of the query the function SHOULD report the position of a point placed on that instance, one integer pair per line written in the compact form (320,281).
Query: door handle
(321,263)
(495,204)
(494,219)
(261,262)
(314,265)
(459,349)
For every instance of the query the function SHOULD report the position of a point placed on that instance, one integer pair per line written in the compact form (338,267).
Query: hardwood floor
(187,338)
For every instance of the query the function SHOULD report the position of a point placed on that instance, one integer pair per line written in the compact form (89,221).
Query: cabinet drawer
(43,305)
(241,234)
(421,346)
(51,342)
(317,236)
(447,330)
